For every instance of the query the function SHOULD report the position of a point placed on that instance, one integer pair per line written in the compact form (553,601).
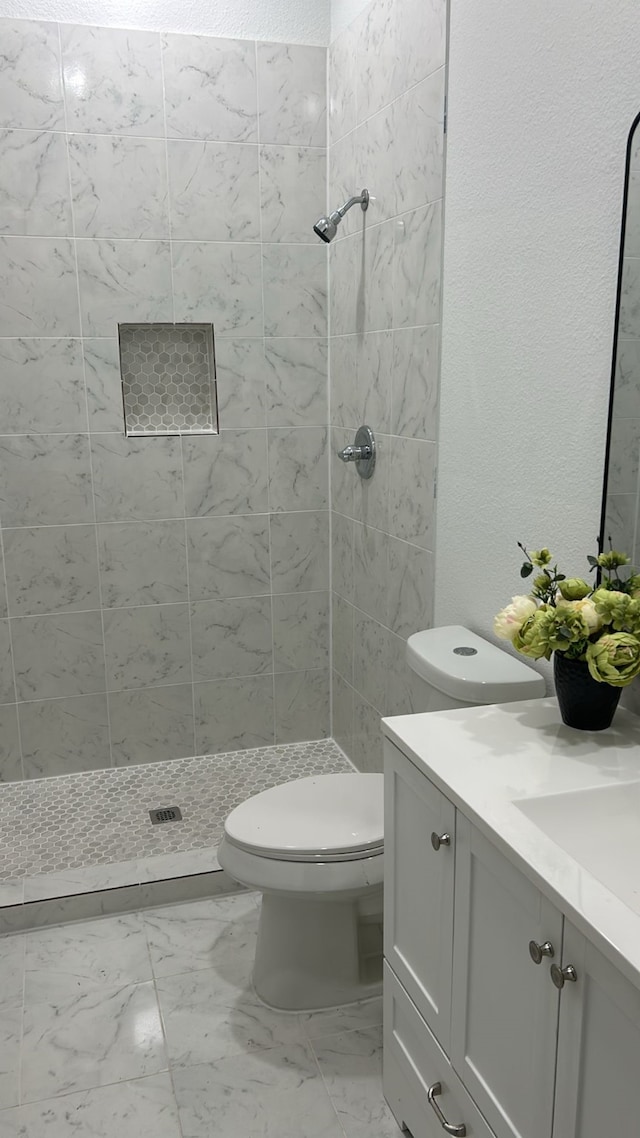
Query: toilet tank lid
(466,667)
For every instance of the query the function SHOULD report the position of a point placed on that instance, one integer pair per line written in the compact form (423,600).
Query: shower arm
(359,199)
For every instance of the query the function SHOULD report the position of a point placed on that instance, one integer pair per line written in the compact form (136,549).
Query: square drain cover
(166,814)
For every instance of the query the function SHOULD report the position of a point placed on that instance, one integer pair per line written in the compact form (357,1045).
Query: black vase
(584,703)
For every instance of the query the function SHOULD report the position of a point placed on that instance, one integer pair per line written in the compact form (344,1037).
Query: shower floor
(92,831)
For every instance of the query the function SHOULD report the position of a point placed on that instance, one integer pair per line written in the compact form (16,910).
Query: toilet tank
(461,669)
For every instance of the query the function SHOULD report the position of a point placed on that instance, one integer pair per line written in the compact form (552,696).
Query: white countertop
(486,757)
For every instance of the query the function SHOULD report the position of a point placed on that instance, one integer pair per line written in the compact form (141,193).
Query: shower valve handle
(362,451)
(354,453)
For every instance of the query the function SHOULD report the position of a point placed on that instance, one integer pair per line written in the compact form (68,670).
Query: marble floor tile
(10,1031)
(12,953)
(98,1037)
(124,1110)
(65,961)
(204,1021)
(351,1017)
(193,937)
(270,1094)
(351,1066)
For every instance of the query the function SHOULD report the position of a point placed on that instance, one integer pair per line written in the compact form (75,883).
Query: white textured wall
(541,100)
(343,12)
(291,21)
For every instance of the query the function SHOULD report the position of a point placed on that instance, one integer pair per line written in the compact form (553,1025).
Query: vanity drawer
(413,1063)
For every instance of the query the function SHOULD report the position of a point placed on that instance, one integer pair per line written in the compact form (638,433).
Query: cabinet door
(598,1080)
(505,1007)
(418,917)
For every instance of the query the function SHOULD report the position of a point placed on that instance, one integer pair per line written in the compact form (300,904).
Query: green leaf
(593,561)
(561,576)
(526,570)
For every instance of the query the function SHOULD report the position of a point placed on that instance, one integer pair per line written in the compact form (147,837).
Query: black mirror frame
(602,537)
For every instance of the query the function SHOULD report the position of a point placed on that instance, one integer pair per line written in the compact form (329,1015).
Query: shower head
(327,227)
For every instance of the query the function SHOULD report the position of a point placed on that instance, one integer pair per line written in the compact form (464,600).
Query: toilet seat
(321,819)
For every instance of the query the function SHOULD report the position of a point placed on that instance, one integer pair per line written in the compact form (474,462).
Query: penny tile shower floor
(146,1024)
(100,818)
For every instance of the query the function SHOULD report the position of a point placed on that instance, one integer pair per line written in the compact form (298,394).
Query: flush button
(465,651)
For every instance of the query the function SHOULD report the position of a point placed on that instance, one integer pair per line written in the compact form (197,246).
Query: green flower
(614,658)
(541,583)
(613,559)
(574,588)
(532,639)
(540,558)
(568,629)
(588,611)
(632,584)
(613,606)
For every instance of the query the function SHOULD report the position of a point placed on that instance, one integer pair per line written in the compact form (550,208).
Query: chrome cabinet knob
(459,1129)
(560,976)
(438,840)
(538,951)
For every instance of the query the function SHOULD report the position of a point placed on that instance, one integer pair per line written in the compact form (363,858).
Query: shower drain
(165,814)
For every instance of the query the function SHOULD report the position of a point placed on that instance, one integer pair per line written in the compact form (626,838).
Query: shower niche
(168,377)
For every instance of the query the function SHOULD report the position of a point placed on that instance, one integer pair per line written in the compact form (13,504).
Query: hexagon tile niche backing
(168,379)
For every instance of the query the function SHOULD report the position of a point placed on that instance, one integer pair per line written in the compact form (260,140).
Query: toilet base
(313,954)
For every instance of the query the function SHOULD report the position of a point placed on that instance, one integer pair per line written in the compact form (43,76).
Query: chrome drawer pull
(450,1127)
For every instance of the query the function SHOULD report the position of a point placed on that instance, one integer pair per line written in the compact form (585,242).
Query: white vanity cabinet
(501,1019)
(598,1068)
(418,918)
(504,1012)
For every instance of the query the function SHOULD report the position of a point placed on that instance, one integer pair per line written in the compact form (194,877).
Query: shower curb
(110,902)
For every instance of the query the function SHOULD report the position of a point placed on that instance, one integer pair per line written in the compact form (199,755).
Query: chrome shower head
(327,227)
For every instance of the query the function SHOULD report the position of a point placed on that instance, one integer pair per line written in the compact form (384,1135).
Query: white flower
(510,620)
(587,610)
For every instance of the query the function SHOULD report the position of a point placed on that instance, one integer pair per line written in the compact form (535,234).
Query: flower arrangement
(598,624)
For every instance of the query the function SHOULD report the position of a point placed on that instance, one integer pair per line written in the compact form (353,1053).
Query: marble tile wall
(386,132)
(169,596)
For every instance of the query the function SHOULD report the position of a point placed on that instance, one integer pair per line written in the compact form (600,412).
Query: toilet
(314,847)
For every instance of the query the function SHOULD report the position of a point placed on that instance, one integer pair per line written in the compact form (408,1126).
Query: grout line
(11,652)
(186,554)
(162,435)
(163,604)
(86,399)
(176,518)
(309,1043)
(329,403)
(274,725)
(169,211)
(163,241)
(169,137)
(224,336)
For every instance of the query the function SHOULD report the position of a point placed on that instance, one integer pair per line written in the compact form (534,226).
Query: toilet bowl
(314,847)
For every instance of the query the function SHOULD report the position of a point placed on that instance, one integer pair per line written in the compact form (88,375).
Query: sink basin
(600,828)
